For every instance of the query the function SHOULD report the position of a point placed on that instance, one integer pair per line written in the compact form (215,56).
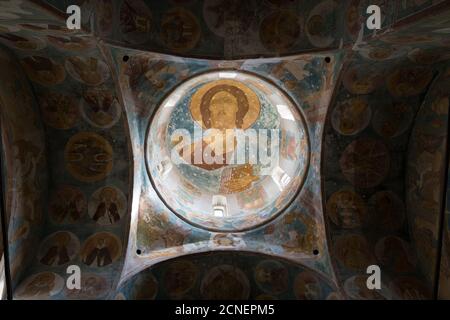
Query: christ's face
(223,109)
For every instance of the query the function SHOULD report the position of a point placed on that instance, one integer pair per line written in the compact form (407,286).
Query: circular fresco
(225,282)
(59,110)
(320,25)
(363,79)
(67,205)
(387,210)
(180,277)
(107,205)
(88,156)
(180,30)
(92,287)
(135,21)
(40,286)
(59,248)
(272,277)
(101,249)
(307,287)
(43,70)
(365,162)
(347,209)
(87,70)
(353,251)
(243,13)
(145,288)
(225,147)
(280,30)
(100,107)
(351,116)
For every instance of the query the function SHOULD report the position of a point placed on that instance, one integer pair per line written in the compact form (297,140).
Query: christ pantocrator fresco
(223,105)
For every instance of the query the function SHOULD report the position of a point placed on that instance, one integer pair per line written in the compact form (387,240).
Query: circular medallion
(107,205)
(225,282)
(145,287)
(279,31)
(180,30)
(365,162)
(307,286)
(101,249)
(100,107)
(59,111)
(347,209)
(88,156)
(67,205)
(360,79)
(271,277)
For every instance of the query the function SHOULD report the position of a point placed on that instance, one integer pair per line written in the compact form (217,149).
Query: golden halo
(253,102)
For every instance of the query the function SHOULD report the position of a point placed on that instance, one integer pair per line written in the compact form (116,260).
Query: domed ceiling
(227,151)
(275,148)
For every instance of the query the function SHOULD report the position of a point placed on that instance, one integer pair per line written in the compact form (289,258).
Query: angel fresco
(107,205)
(100,254)
(41,286)
(67,205)
(101,249)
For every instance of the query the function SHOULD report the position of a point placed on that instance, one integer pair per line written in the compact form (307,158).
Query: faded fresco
(200,276)
(235,30)
(387,134)
(88,117)
(298,233)
(25,164)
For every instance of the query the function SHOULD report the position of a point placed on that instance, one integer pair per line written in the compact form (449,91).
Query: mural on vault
(373,203)
(226,276)
(25,165)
